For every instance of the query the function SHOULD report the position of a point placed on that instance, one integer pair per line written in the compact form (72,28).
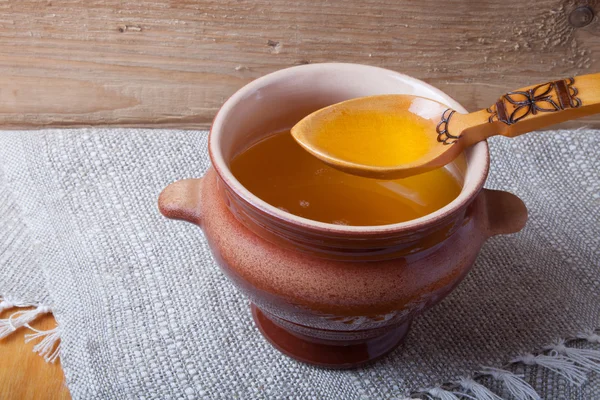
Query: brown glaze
(306,349)
(181,200)
(331,295)
(337,302)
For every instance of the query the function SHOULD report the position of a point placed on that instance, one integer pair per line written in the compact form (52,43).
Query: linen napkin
(144,312)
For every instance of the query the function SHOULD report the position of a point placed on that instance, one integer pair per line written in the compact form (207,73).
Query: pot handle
(181,200)
(503,213)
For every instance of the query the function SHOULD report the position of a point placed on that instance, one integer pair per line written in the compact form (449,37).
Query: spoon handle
(527,109)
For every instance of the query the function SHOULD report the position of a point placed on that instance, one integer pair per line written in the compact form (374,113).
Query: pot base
(342,356)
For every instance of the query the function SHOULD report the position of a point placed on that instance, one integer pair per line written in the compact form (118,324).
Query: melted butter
(280,172)
(380,131)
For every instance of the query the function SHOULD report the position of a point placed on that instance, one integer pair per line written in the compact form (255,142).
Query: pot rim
(478,159)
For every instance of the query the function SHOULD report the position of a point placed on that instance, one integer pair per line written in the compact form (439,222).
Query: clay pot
(331,295)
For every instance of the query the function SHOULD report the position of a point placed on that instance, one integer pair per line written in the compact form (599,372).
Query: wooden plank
(173,63)
(24,374)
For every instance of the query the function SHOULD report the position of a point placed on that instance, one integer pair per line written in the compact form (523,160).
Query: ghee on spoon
(394,136)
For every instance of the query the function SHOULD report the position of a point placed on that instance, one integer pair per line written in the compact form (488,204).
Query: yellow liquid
(283,174)
(381,131)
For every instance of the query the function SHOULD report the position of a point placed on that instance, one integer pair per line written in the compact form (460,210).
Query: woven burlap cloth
(144,311)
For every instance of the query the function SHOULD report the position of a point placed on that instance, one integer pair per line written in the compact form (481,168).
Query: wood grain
(24,374)
(173,63)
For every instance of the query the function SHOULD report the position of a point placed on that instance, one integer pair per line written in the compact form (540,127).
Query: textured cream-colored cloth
(145,312)
(21,278)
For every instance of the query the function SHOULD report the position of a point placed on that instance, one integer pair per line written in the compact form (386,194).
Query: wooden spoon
(394,136)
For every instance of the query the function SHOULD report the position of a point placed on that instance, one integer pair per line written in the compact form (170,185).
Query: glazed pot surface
(332,295)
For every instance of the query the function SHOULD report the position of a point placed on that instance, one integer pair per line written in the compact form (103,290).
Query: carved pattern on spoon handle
(444,136)
(548,97)
(519,104)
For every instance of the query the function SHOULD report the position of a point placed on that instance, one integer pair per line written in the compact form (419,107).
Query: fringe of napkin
(574,364)
(49,345)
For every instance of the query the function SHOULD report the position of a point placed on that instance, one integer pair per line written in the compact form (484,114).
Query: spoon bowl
(385,136)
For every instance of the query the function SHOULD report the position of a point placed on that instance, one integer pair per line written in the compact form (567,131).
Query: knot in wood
(581,16)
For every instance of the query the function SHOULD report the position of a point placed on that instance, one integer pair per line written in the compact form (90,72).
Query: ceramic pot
(332,295)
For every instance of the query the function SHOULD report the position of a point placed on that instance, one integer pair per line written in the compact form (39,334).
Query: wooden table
(24,374)
(172,63)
